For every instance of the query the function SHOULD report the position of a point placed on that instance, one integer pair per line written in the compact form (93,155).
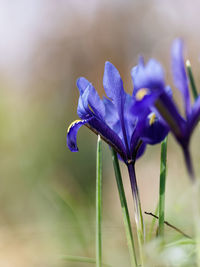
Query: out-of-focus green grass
(44,188)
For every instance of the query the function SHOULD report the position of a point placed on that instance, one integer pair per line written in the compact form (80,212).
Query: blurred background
(47,193)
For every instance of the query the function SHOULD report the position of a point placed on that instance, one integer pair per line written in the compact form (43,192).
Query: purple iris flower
(112,119)
(150,80)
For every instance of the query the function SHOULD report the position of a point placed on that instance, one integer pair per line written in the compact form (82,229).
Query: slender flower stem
(138,210)
(191,78)
(163,167)
(125,211)
(98,202)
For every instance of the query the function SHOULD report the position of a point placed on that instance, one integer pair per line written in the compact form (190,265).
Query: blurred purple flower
(150,77)
(112,118)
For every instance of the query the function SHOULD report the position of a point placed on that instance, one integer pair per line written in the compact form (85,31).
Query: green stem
(191,78)
(138,210)
(98,202)
(163,163)
(125,211)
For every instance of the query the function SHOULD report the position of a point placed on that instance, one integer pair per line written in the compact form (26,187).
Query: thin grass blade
(191,79)
(163,168)
(99,203)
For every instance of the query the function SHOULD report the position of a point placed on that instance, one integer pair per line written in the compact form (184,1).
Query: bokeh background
(47,193)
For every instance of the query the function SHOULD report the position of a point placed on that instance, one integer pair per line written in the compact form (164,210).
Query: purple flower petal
(149,76)
(113,86)
(179,73)
(141,150)
(111,116)
(83,109)
(195,115)
(89,96)
(72,134)
(96,104)
(171,115)
(100,127)
(155,130)
(82,84)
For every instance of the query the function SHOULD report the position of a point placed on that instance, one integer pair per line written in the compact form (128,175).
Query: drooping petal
(108,135)
(72,134)
(149,76)
(179,73)
(141,107)
(164,105)
(98,127)
(155,130)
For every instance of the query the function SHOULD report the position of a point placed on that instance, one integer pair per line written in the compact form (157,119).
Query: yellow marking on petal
(91,108)
(72,124)
(152,119)
(142,93)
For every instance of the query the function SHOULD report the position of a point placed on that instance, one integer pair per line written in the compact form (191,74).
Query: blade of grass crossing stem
(98,203)
(124,207)
(163,167)
(191,79)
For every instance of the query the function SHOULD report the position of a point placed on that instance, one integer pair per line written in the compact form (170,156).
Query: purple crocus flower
(149,79)
(112,118)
